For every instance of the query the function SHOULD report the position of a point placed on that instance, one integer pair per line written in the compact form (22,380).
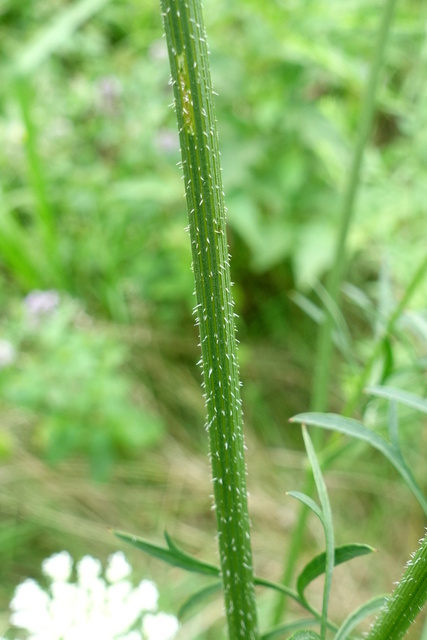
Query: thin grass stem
(324,352)
(322,367)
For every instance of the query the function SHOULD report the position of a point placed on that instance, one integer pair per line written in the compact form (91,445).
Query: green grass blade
(197,598)
(287,591)
(393,425)
(355,429)
(316,567)
(172,555)
(378,348)
(358,615)
(322,368)
(283,629)
(402,397)
(309,502)
(327,525)
(53,37)
(305,635)
(44,220)
(19,254)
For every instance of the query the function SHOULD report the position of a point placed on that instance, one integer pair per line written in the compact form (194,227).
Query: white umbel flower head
(91,607)
(88,571)
(58,567)
(30,607)
(118,568)
(159,626)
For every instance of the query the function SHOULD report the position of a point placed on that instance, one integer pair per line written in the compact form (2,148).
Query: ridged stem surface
(406,601)
(188,56)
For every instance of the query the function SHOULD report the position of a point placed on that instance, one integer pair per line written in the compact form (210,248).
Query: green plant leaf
(172,555)
(287,591)
(358,615)
(340,331)
(198,597)
(54,35)
(316,566)
(305,635)
(355,429)
(281,629)
(309,502)
(311,309)
(393,425)
(403,397)
(388,363)
(327,525)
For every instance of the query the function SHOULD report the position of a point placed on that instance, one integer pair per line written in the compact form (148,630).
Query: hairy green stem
(188,56)
(406,601)
(324,352)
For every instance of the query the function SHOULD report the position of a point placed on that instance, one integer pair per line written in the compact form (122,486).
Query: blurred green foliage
(289,79)
(90,198)
(91,206)
(67,375)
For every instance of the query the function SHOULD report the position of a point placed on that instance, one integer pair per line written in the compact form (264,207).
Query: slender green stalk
(324,352)
(377,350)
(406,601)
(33,54)
(44,221)
(322,368)
(191,81)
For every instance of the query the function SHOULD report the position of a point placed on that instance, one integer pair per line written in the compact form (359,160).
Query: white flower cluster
(92,607)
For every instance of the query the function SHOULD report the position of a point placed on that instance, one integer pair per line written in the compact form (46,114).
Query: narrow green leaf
(317,565)
(404,397)
(388,363)
(327,525)
(173,555)
(340,330)
(309,502)
(281,629)
(355,429)
(287,591)
(305,635)
(358,615)
(323,361)
(198,597)
(311,309)
(393,425)
(56,34)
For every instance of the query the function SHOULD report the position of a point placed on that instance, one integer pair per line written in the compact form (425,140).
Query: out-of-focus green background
(101,409)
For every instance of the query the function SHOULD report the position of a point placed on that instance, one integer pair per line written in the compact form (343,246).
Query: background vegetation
(100,393)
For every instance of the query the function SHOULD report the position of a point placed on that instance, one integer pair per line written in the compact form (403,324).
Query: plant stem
(44,221)
(188,56)
(322,368)
(324,352)
(406,601)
